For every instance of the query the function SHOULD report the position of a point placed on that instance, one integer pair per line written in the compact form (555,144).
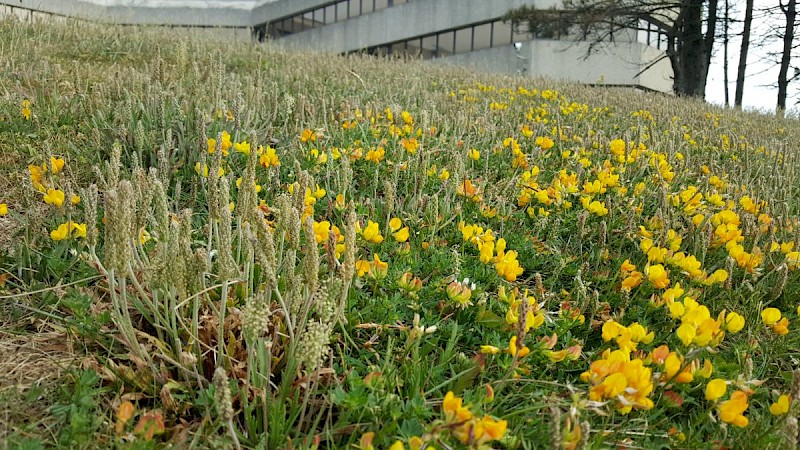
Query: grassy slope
(91,87)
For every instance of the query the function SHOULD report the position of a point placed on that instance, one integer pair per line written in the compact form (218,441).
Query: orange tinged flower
(469,190)
(732,411)
(308,136)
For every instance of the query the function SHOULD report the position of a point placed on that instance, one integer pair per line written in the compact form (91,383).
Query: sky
(760,74)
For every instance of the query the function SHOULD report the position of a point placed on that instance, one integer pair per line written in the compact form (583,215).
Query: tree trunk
(694,48)
(790,11)
(748,20)
(725,38)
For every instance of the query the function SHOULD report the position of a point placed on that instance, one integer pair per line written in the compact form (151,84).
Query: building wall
(569,61)
(401,22)
(496,60)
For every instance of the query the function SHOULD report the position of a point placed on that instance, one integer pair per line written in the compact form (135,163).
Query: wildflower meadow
(217,245)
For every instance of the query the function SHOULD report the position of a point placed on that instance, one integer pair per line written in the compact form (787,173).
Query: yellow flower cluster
(698,327)
(772,318)
(505,262)
(68,230)
(534,316)
(375,269)
(616,377)
(469,429)
(628,337)
(731,410)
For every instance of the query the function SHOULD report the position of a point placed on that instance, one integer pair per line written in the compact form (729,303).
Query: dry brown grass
(32,364)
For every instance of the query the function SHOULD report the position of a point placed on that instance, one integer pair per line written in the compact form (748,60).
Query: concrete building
(464,32)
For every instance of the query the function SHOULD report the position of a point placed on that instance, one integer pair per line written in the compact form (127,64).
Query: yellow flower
(308,135)
(488,212)
(318,193)
(490,349)
(697,219)
(75,199)
(616,377)
(321,231)
(3,209)
(372,233)
(514,350)
(226,142)
(401,235)
(395,223)
(672,294)
(453,409)
(56,164)
(469,190)
(26,109)
(781,406)
(204,172)
(597,208)
(672,369)
(378,269)
(487,251)
(375,155)
(398,445)
(632,280)
(617,147)
(54,197)
(268,157)
(492,429)
(474,154)
(60,233)
(686,333)
(715,389)
(507,265)
(793,260)
(544,142)
(362,267)
(627,266)
(410,144)
(719,276)
(770,316)
(144,236)
(37,174)
(242,147)
(734,322)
